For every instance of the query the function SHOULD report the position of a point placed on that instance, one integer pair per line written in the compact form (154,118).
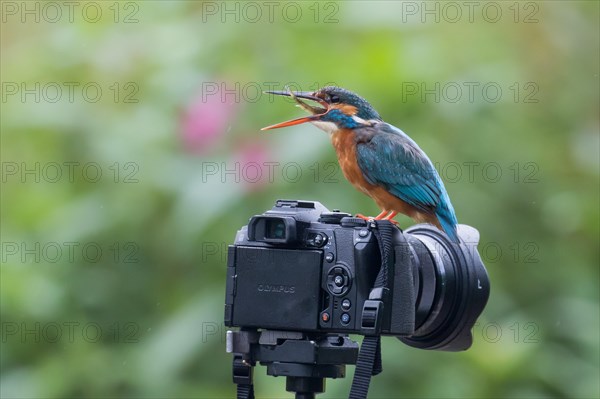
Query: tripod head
(306,360)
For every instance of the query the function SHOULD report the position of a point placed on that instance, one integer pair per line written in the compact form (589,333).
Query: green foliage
(143,318)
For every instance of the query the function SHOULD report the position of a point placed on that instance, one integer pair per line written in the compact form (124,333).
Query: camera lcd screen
(277,287)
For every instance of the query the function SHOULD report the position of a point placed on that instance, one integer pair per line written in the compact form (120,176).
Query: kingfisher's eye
(334,99)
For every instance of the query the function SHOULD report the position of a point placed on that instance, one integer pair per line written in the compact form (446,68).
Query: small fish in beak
(316,112)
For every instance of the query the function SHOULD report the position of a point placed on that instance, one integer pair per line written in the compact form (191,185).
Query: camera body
(300,267)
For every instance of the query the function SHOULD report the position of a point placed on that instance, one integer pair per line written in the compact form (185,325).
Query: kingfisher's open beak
(316,112)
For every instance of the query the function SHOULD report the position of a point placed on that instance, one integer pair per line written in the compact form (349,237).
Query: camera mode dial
(334,217)
(353,222)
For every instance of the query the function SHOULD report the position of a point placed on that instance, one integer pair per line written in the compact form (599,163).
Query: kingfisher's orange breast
(344,141)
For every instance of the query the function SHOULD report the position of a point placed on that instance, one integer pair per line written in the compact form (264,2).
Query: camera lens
(452,288)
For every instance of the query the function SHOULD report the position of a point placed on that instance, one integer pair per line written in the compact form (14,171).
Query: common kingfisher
(377,158)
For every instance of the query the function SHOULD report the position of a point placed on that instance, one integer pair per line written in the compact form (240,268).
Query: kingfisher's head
(338,109)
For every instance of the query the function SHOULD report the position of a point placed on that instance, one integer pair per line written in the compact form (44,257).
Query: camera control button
(363,233)
(329,257)
(316,240)
(320,239)
(345,318)
(346,304)
(338,280)
(325,317)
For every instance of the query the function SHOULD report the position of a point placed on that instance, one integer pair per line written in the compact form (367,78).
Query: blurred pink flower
(206,120)
(254,168)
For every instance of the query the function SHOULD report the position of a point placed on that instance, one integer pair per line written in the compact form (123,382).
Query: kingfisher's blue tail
(447,218)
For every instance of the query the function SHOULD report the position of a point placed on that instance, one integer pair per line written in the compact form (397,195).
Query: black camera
(299,267)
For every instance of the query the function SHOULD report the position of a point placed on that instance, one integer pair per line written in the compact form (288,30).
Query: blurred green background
(131,154)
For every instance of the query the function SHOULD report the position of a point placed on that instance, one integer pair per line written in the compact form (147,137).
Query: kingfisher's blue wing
(393,160)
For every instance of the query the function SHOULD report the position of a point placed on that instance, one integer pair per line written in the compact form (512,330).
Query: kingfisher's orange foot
(381,216)
(391,217)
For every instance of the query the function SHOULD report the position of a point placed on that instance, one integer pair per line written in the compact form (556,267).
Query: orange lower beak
(292,122)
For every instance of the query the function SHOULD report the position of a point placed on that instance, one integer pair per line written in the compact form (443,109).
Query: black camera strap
(242,377)
(369,357)
(245,391)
